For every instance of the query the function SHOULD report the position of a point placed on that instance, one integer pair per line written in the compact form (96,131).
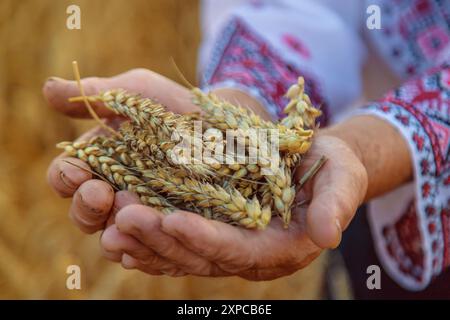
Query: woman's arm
(380,147)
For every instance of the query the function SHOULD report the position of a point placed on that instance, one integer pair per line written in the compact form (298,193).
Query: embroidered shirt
(262,46)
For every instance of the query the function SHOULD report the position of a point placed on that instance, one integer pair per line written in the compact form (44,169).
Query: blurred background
(37,240)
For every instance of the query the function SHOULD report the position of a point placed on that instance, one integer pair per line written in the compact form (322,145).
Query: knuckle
(208,269)
(151,260)
(92,84)
(145,226)
(362,180)
(166,246)
(236,266)
(114,257)
(179,273)
(173,272)
(99,202)
(107,243)
(254,275)
(345,208)
(141,254)
(80,223)
(142,73)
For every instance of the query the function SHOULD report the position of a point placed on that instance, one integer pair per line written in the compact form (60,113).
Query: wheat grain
(144,112)
(300,111)
(102,162)
(160,151)
(283,193)
(232,203)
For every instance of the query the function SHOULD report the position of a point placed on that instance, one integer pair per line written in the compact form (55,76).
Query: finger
(57,91)
(65,174)
(65,178)
(91,205)
(124,198)
(147,83)
(332,207)
(116,244)
(237,250)
(112,243)
(230,247)
(128,262)
(121,200)
(144,223)
(265,274)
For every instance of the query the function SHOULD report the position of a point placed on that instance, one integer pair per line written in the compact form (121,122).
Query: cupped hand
(185,243)
(94,200)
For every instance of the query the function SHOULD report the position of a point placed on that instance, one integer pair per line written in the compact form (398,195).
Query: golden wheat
(224,115)
(121,177)
(300,111)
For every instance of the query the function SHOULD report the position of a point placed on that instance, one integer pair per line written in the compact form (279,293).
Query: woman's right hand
(94,201)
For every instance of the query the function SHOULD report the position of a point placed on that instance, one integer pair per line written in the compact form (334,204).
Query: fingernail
(99,212)
(64,170)
(128,262)
(339,232)
(338,225)
(51,79)
(66,180)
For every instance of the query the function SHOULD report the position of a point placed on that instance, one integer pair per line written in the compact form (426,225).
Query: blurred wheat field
(37,240)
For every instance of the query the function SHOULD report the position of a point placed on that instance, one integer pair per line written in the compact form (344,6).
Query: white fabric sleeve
(411,225)
(261,47)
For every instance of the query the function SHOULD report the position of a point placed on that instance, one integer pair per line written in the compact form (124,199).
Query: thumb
(323,221)
(149,84)
(57,91)
(334,203)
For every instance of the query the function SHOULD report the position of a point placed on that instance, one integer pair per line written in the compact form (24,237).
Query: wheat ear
(283,193)
(247,213)
(115,172)
(144,142)
(225,115)
(300,111)
(144,112)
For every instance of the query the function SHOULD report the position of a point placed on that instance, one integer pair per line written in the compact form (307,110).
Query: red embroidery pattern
(422,108)
(427,99)
(243,57)
(445,216)
(413,34)
(403,242)
(295,44)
